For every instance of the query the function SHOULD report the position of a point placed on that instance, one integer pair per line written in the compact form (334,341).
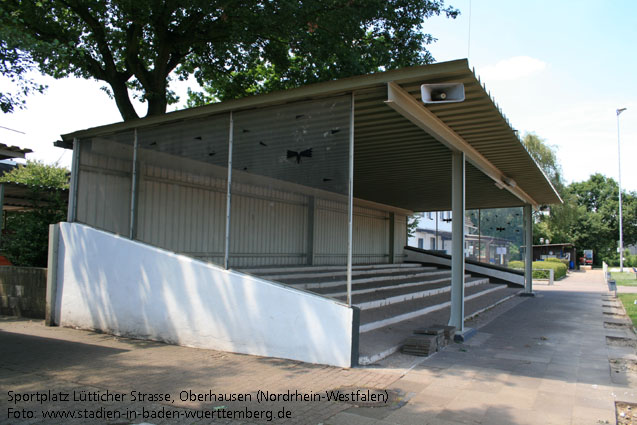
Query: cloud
(513,68)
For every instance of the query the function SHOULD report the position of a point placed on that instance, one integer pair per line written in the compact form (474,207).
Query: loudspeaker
(442,93)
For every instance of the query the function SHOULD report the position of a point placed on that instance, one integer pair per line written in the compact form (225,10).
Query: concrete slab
(541,360)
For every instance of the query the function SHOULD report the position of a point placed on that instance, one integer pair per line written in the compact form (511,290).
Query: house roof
(9,152)
(398,160)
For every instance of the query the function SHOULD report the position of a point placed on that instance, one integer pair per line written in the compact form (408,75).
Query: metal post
(75,172)
(457,240)
(436,239)
(226,250)
(392,236)
(619,169)
(1,209)
(133,196)
(350,204)
(479,237)
(528,255)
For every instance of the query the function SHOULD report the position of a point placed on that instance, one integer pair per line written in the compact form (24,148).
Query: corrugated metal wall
(181,203)
(103,192)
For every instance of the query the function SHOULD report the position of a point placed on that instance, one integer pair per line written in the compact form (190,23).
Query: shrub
(558,260)
(516,264)
(559,268)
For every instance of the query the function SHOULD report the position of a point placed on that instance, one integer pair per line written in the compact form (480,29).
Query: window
(421,243)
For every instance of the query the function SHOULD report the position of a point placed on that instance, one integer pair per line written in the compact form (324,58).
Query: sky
(559,69)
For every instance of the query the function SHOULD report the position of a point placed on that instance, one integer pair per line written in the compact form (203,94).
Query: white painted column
(457,240)
(528,255)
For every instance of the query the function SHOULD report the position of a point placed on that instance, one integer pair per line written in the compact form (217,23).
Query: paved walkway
(541,360)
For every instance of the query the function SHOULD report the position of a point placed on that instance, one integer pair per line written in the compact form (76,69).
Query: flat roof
(396,162)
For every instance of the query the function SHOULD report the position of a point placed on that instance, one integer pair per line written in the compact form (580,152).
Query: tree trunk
(125,106)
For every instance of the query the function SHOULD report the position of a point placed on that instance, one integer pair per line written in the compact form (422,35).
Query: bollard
(551,276)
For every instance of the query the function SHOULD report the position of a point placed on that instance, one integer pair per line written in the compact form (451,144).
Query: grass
(624,279)
(629,304)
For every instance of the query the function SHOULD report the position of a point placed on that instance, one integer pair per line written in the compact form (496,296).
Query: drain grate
(626,413)
(615,325)
(617,341)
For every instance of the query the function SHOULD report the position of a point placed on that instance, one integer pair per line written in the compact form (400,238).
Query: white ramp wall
(128,288)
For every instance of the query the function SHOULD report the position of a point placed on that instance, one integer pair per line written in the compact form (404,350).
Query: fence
(23,291)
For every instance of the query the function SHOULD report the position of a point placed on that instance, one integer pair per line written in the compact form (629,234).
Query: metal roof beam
(406,105)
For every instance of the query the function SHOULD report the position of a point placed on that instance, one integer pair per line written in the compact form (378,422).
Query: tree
(237,46)
(25,237)
(38,174)
(14,66)
(598,225)
(546,157)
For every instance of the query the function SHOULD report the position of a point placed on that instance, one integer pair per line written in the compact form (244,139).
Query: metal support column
(436,238)
(1,210)
(479,237)
(392,237)
(457,240)
(350,204)
(75,172)
(226,250)
(133,196)
(311,212)
(528,255)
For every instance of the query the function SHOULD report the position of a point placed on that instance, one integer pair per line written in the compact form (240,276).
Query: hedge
(558,260)
(559,268)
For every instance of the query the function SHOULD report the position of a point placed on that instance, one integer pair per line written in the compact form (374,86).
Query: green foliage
(501,223)
(589,218)
(14,66)
(412,225)
(516,264)
(624,279)
(38,174)
(546,157)
(558,260)
(629,305)
(559,269)
(25,237)
(234,48)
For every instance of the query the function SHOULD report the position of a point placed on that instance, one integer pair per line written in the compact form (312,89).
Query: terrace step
(375,318)
(382,342)
(262,271)
(322,275)
(332,286)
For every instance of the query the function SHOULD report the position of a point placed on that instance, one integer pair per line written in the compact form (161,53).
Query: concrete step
(324,287)
(320,274)
(388,314)
(401,295)
(381,342)
(262,271)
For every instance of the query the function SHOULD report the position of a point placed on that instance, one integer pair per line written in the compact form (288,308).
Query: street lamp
(621,233)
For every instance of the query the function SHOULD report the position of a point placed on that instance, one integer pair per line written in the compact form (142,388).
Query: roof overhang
(10,152)
(402,147)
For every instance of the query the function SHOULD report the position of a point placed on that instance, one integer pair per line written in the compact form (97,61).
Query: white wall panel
(128,288)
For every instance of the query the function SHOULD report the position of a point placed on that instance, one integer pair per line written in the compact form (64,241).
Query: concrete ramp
(103,281)
(493,272)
